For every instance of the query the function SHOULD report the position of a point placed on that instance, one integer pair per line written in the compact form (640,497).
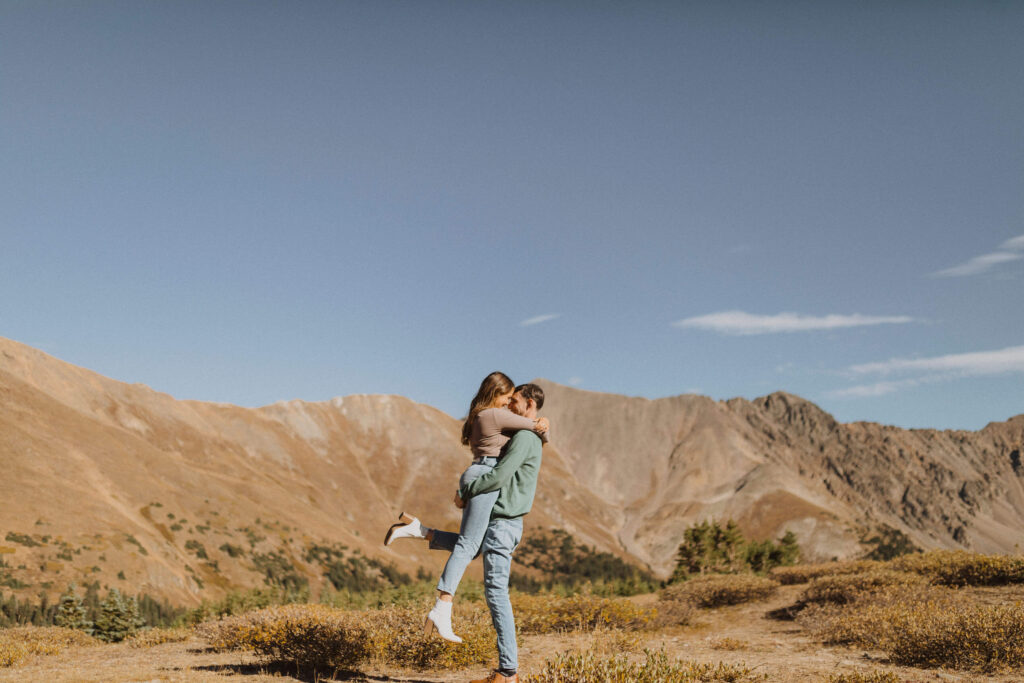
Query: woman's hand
(459,503)
(541,425)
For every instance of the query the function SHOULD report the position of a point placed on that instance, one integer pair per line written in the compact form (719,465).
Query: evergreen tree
(709,547)
(134,617)
(790,550)
(71,612)
(117,620)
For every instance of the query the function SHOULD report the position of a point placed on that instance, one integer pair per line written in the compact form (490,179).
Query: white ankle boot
(440,620)
(408,527)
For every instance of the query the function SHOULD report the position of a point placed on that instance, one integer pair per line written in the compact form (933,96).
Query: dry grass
(716,590)
(326,638)
(731,644)
(671,612)
(157,636)
(858,677)
(840,589)
(553,614)
(803,573)
(589,667)
(18,644)
(616,642)
(926,626)
(961,568)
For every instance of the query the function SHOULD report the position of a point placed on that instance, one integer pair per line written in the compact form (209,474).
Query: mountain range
(116,482)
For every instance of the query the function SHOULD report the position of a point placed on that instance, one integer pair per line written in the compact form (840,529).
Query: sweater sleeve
(496,479)
(506,419)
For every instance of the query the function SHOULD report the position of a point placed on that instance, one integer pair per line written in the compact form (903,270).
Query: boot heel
(405,519)
(428,626)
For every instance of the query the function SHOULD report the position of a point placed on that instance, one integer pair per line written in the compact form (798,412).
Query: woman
(487,429)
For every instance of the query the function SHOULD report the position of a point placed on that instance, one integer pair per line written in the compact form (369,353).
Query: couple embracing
(495,493)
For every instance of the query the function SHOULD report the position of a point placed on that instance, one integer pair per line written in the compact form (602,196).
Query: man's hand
(459,503)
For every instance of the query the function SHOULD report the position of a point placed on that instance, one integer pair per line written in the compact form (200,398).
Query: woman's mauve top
(486,438)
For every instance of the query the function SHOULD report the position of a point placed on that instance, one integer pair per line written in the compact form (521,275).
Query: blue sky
(250,202)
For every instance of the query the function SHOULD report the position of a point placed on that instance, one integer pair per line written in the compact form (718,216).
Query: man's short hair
(532,391)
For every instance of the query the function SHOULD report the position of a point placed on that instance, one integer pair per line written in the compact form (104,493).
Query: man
(515,477)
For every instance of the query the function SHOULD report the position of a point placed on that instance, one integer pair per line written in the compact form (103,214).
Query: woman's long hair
(493,386)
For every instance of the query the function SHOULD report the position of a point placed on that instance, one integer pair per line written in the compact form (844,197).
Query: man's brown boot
(496,677)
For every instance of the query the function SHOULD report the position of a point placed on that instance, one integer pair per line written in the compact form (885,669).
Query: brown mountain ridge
(186,499)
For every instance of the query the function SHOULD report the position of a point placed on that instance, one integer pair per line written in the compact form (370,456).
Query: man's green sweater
(515,476)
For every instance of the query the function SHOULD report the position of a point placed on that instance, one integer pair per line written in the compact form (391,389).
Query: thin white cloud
(979,264)
(741,323)
(537,320)
(1008,251)
(867,390)
(574,381)
(1010,359)
(1013,244)
(931,370)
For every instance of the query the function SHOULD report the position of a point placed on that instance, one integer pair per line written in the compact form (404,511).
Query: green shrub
(197,548)
(134,541)
(21,539)
(708,547)
(232,550)
(565,563)
(888,543)
(352,570)
(278,570)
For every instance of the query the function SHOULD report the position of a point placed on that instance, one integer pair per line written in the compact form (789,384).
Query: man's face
(518,404)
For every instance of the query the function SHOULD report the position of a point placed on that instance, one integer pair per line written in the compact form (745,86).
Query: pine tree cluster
(709,547)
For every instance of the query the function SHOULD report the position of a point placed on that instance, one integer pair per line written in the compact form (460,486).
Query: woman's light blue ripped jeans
(465,545)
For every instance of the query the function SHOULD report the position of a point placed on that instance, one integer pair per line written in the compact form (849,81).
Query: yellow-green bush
(802,573)
(321,637)
(715,590)
(396,637)
(843,588)
(926,626)
(303,635)
(588,667)
(18,643)
(857,623)
(673,613)
(549,614)
(961,568)
(157,636)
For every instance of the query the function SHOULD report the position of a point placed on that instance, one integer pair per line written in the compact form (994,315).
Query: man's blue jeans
(500,541)
(466,544)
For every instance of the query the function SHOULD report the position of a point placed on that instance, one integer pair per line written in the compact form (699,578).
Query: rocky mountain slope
(185,499)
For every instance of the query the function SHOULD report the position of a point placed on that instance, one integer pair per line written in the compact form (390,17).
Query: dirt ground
(739,634)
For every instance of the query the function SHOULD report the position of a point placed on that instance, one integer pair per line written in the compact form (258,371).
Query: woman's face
(502,400)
